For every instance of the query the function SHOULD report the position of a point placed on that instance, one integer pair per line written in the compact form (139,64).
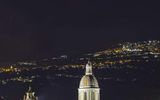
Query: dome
(88,81)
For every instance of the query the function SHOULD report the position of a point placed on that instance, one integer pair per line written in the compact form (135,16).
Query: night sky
(34,29)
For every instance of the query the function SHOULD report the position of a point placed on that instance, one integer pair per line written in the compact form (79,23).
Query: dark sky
(44,28)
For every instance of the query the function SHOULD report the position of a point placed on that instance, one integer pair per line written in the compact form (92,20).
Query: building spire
(89,68)
(30,95)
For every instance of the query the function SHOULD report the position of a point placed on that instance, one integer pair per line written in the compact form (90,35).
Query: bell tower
(89,88)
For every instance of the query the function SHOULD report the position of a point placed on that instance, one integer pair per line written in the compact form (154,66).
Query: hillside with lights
(125,62)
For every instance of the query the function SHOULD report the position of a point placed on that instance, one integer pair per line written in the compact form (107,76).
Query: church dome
(88,80)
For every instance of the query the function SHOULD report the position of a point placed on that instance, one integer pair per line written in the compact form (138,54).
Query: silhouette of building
(89,88)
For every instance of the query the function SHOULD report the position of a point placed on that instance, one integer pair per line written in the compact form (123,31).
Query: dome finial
(89,68)
(30,89)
